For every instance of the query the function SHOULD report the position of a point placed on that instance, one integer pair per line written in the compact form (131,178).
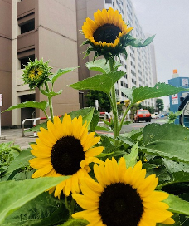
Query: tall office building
(140,65)
(36,29)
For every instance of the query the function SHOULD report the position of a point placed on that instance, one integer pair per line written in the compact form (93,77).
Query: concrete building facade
(31,29)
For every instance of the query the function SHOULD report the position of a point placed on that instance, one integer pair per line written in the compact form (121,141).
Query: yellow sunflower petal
(67,125)
(87,214)
(85,203)
(94,151)
(42,152)
(168,221)
(42,172)
(38,163)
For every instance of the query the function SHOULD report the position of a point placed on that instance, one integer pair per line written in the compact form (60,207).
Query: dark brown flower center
(66,155)
(119,205)
(106,33)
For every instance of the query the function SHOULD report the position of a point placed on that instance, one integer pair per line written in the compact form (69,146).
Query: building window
(108,1)
(121,83)
(28,26)
(25,60)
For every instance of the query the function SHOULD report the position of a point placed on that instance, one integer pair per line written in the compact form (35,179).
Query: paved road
(15,135)
(138,125)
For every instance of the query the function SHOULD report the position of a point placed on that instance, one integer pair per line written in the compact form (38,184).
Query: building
(50,29)
(140,65)
(176,100)
(35,29)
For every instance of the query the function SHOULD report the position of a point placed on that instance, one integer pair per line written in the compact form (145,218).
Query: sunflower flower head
(122,197)
(107,34)
(65,148)
(36,73)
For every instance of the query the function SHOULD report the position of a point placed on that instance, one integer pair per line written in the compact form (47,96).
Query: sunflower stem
(114,105)
(50,102)
(125,113)
(67,206)
(70,206)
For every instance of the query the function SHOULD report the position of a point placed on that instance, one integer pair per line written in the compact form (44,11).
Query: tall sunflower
(65,148)
(36,73)
(122,197)
(107,33)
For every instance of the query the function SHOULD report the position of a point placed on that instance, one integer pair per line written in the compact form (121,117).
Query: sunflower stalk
(114,105)
(124,115)
(70,206)
(50,102)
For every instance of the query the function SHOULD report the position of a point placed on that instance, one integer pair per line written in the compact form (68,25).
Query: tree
(104,103)
(159,105)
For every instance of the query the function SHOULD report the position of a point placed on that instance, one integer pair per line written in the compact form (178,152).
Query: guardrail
(34,122)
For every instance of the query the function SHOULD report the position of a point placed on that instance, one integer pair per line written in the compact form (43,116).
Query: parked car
(142,115)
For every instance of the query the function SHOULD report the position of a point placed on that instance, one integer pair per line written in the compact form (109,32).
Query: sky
(169,20)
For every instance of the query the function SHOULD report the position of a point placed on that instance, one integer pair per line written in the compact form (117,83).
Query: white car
(154,116)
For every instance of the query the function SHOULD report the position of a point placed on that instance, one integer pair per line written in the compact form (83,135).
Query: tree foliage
(104,103)
(159,104)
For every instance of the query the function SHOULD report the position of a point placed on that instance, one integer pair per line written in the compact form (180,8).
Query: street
(138,125)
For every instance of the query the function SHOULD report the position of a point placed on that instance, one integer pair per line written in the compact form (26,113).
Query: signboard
(1,99)
(184,82)
(174,99)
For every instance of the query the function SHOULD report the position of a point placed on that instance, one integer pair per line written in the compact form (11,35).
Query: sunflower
(65,148)
(106,33)
(36,73)
(122,197)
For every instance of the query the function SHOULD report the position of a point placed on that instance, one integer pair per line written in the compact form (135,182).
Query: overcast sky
(169,20)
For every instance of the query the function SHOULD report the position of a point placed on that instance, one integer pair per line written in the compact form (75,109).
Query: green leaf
(32,104)
(75,222)
(178,171)
(103,82)
(94,121)
(125,139)
(131,158)
(51,93)
(167,140)
(20,161)
(17,193)
(177,205)
(61,72)
(160,89)
(108,144)
(140,43)
(45,209)
(128,92)
(86,113)
(101,128)
(101,66)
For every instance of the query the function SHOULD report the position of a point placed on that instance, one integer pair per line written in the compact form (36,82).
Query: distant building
(35,29)
(140,65)
(176,99)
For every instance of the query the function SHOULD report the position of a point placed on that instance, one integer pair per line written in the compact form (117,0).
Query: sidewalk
(15,135)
